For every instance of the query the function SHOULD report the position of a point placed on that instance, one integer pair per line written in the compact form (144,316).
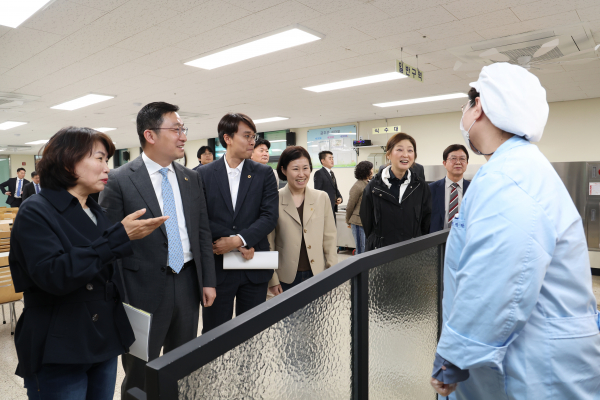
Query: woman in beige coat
(362,172)
(305,235)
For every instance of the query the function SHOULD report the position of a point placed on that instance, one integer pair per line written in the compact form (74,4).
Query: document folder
(140,321)
(261,260)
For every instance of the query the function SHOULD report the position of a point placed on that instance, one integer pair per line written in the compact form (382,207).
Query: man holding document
(241,196)
(172,270)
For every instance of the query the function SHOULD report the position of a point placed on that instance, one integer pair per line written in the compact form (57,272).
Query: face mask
(465,134)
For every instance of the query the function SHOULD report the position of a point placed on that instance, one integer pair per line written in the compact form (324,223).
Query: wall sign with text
(338,140)
(409,71)
(386,129)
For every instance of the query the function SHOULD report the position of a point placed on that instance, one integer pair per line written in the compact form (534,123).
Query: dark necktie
(453,204)
(37,189)
(332,176)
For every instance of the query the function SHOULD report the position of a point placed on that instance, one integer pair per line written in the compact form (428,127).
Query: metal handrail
(163,373)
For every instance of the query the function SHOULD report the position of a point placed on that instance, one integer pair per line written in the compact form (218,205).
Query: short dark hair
(362,170)
(34,174)
(151,117)
(473,94)
(20,169)
(288,155)
(203,149)
(228,125)
(455,147)
(64,150)
(398,137)
(324,154)
(261,141)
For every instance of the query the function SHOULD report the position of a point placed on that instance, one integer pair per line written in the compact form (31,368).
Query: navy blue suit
(254,217)
(438,200)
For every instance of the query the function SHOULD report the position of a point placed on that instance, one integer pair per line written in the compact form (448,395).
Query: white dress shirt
(156,178)
(385,177)
(18,195)
(448,189)
(234,175)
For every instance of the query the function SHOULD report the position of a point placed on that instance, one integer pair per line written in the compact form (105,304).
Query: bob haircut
(397,138)
(64,150)
(230,123)
(287,156)
(363,170)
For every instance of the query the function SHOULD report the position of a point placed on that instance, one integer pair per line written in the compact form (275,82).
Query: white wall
(572,134)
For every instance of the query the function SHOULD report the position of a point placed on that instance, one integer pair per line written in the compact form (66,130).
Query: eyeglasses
(250,138)
(179,130)
(462,160)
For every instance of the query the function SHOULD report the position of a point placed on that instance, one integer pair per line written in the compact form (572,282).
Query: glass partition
(307,355)
(403,326)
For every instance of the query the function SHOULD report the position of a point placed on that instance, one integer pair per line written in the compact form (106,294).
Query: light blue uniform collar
(513,142)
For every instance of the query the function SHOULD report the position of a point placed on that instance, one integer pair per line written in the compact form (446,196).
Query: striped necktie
(169,208)
(453,205)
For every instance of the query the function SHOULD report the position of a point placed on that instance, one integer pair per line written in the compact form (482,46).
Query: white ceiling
(135,49)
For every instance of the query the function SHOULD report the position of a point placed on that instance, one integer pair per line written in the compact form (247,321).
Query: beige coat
(353,207)
(320,234)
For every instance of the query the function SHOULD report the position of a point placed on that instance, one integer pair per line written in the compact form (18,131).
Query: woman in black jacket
(73,326)
(396,204)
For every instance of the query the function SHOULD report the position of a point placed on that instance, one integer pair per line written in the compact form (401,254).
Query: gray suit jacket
(129,189)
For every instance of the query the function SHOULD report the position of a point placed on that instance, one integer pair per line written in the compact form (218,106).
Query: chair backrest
(7,289)
(4,241)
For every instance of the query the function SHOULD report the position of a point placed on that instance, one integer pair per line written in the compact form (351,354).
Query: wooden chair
(7,289)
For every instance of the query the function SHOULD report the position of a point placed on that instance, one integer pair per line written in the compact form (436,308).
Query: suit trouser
(236,286)
(174,323)
(17,202)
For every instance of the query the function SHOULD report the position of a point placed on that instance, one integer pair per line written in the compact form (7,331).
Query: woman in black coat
(73,326)
(396,204)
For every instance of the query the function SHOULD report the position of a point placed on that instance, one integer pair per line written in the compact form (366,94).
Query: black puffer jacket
(386,221)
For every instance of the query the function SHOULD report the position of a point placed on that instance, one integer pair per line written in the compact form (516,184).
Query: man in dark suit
(205,156)
(15,188)
(243,208)
(32,187)
(448,192)
(172,270)
(325,180)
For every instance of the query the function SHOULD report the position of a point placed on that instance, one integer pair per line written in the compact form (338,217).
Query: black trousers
(236,286)
(174,323)
(17,202)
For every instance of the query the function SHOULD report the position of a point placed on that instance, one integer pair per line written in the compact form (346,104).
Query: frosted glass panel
(403,301)
(304,356)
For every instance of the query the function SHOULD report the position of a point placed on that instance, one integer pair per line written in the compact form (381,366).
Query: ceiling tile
(111,57)
(178,5)
(106,5)
(472,8)
(397,8)
(590,14)
(551,21)
(46,62)
(441,31)
(212,40)
(408,22)
(355,14)
(20,44)
(330,6)
(545,8)
(63,17)
(152,39)
(491,20)
(255,5)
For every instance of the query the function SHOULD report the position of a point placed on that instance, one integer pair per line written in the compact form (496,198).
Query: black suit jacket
(256,210)
(28,190)
(438,198)
(130,189)
(12,187)
(324,182)
(63,263)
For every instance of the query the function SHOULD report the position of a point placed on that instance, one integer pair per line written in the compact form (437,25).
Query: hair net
(513,99)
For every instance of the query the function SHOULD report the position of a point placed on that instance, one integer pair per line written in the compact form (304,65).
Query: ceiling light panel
(422,100)
(38,142)
(390,76)
(272,119)
(10,124)
(290,37)
(81,102)
(14,13)
(104,129)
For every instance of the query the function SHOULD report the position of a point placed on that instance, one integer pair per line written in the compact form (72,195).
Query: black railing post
(441,257)
(160,385)
(360,336)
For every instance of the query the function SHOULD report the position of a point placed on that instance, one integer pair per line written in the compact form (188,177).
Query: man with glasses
(172,270)
(447,193)
(243,208)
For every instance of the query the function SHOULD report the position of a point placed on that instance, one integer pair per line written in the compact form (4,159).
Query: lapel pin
(249,176)
(185,178)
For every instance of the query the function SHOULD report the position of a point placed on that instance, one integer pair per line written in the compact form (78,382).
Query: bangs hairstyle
(229,124)
(287,156)
(398,137)
(64,150)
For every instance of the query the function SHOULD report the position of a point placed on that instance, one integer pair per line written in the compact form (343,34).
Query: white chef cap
(513,99)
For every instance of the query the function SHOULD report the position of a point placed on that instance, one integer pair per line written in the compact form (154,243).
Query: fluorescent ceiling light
(104,129)
(10,124)
(38,142)
(273,119)
(84,101)
(283,40)
(422,100)
(277,141)
(14,13)
(390,76)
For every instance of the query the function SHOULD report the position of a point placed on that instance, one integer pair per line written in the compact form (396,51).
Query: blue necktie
(18,194)
(37,189)
(175,246)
